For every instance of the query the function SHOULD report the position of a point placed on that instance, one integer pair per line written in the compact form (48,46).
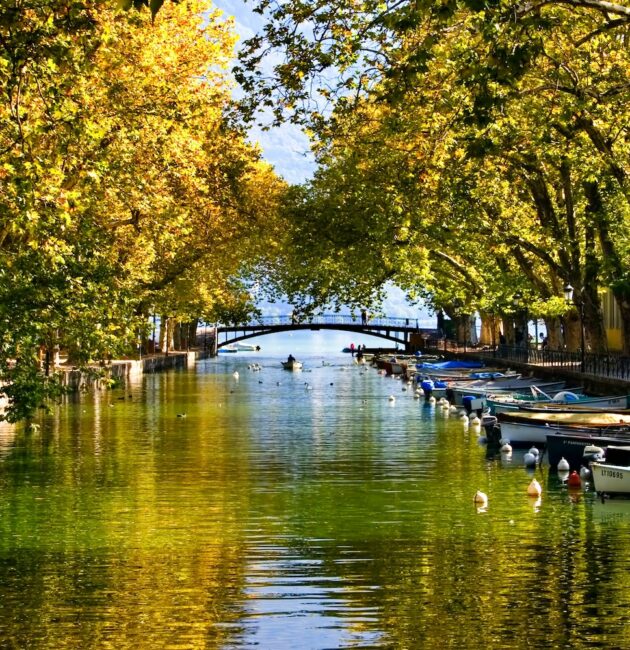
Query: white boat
(563,400)
(245,347)
(485,388)
(294,364)
(228,348)
(524,428)
(610,479)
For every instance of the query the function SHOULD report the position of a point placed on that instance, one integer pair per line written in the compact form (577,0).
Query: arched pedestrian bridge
(402,331)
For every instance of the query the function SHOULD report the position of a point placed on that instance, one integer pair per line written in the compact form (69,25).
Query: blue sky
(286,147)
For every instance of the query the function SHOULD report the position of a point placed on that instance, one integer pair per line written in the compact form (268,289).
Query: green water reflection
(292,510)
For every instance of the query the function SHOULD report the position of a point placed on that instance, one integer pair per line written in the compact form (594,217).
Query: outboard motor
(592,453)
(427,386)
(473,404)
(491,427)
(493,430)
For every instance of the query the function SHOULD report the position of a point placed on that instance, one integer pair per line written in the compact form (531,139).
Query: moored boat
(502,385)
(613,478)
(246,347)
(562,401)
(579,447)
(524,428)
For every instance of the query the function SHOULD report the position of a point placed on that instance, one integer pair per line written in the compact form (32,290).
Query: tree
(510,122)
(122,177)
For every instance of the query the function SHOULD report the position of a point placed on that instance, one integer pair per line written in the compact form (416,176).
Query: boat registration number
(611,473)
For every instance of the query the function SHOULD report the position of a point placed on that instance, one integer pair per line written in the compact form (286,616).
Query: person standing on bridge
(364,317)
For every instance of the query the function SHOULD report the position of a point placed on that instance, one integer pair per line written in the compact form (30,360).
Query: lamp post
(568,297)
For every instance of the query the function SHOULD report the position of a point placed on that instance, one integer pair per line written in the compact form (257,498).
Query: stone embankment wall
(123,370)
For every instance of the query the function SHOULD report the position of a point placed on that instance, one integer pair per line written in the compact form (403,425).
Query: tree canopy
(127,185)
(472,149)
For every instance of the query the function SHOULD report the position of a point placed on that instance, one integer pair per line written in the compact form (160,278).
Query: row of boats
(575,430)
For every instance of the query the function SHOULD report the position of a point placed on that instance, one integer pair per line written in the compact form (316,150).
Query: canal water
(197,509)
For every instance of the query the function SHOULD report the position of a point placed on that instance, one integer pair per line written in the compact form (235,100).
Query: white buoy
(235,374)
(432,400)
(563,465)
(452,408)
(416,395)
(475,421)
(480,498)
(391,398)
(585,473)
(534,450)
(530,459)
(534,489)
(506,448)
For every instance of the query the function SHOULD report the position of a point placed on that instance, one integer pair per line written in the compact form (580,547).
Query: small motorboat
(613,478)
(531,427)
(292,364)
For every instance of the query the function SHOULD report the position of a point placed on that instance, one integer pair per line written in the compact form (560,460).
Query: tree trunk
(192,332)
(490,330)
(462,329)
(594,330)
(177,336)
(509,330)
(554,333)
(571,327)
(166,334)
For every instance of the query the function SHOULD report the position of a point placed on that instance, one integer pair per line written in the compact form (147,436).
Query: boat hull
(521,434)
(494,386)
(617,403)
(611,479)
(571,446)
(292,365)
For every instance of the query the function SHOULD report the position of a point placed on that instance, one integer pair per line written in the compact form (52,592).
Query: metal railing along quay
(607,366)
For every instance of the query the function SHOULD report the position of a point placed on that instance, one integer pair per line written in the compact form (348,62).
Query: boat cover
(449,365)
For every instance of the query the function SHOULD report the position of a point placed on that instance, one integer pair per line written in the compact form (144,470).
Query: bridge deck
(398,330)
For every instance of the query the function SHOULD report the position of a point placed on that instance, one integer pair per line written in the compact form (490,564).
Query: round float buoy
(391,398)
(481,498)
(506,448)
(563,465)
(534,450)
(574,480)
(534,489)
(530,459)
(585,473)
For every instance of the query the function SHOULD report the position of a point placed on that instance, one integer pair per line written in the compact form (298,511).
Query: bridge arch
(397,330)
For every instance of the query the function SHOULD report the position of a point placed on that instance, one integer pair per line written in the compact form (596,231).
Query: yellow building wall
(612,321)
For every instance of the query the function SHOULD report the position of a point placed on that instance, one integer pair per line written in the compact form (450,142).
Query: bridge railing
(329,319)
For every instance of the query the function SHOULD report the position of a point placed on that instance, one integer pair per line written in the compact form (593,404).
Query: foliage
(124,186)
(480,148)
